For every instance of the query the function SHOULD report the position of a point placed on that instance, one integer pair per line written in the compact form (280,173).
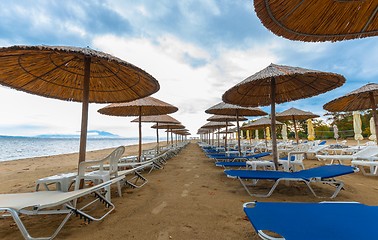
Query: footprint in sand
(188,170)
(159,208)
(164,235)
(188,184)
(196,176)
(184,193)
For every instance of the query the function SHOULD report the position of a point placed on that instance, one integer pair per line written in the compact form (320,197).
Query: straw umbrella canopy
(156,119)
(267,133)
(357,126)
(310,130)
(230,109)
(279,84)
(168,126)
(142,107)
(217,125)
(261,123)
(284,132)
(373,136)
(294,114)
(335,132)
(256,134)
(321,20)
(74,74)
(226,118)
(359,99)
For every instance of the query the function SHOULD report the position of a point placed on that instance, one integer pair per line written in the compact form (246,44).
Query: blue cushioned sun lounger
(241,163)
(313,221)
(248,157)
(322,174)
(230,164)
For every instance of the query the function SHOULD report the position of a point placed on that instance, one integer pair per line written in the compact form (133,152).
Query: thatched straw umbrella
(179,133)
(366,97)
(294,114)
(321,20)
(168,126)
(279,84)
(156,119)
(74,74)
(261,123)
(216,125)
(142,107)
(230,109)
(225,118)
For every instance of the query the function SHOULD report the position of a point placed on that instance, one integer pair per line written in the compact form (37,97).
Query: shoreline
(20,175)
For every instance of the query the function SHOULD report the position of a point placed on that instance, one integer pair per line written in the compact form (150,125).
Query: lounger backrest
(367,152)
(114,158)
(327,171)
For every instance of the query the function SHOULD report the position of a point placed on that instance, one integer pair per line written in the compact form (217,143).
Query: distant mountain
(91,134)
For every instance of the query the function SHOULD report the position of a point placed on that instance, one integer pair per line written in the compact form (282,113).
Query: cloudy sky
(196,49)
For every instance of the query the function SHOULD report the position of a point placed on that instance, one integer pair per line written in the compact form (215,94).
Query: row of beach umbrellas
(84,75)
(310,21)
(279,84)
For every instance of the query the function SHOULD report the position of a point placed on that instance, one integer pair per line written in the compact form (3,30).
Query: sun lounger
(322,174)
(54,203)
(369,163)
(240,158)
(240,161)
(365,153)
(313,221)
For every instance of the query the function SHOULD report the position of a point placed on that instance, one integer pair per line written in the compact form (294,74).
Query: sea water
(13,148)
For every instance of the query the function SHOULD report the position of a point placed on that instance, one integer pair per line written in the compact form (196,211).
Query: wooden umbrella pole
(157,137)
(218,137)
(374,111)
(266,141)
(225,139)
(84,113)
(273,113)
(238,129)
(295,130)
(140,134)
(168,136)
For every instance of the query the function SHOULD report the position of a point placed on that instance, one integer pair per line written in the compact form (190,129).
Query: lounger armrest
(367,158)
(296,152)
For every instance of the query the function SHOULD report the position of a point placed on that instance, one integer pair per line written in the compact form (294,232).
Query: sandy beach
(190,198)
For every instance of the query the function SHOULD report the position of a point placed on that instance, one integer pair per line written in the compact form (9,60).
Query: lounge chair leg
(338,184)
(256,194)
(137,177)
(25,232)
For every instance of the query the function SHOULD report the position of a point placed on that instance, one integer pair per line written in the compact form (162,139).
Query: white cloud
(191,89)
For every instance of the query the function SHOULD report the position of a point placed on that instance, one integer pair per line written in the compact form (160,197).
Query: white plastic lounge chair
(293,159)
(313,221)
(322,174)
(365,153)
(316,149)
(53,202)
(101,175)
(370,163)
